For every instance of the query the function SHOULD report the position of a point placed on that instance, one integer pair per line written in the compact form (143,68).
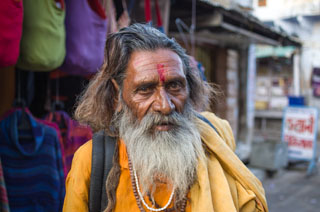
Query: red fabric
(159,21)
(147,10)
(11,15)
(97,8)
(61,3)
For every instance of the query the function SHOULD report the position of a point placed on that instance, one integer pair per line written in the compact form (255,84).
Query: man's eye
(144,89)
(174,86)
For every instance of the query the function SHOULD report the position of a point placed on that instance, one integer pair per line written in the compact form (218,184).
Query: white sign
(300,130)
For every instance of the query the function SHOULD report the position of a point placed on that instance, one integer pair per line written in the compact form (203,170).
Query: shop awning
(263,51)
(227,27)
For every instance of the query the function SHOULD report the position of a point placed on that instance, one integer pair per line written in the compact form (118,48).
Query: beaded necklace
(136,194)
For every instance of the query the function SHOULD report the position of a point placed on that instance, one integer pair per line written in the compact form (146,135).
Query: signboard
(299,129)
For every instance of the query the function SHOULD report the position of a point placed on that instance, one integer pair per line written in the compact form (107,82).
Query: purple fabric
(73,134)
(85,38)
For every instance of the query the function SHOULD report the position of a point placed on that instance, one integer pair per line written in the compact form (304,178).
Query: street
(289,190)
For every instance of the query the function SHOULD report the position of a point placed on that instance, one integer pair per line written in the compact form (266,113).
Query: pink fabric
(73,134)
(11,15)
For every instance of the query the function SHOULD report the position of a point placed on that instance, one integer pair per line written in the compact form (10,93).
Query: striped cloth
(73,134)
(32,167)
(56,128)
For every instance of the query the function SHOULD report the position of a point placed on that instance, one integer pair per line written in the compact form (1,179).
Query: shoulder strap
(208,122)
(102,154)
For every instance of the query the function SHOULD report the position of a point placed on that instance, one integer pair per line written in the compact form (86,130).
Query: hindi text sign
(300,130)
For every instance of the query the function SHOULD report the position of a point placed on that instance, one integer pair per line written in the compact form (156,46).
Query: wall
(276,9)
(301,18)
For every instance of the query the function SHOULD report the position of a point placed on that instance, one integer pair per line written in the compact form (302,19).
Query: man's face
(155,82)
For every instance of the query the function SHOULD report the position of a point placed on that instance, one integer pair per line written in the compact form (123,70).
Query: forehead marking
(160,69)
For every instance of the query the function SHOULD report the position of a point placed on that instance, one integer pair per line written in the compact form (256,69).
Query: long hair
(98,103)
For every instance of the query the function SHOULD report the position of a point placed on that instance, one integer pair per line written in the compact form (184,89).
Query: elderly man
(166,159)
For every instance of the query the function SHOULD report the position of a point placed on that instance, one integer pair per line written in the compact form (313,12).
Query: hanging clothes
(32,163)
(86,30)
(11,15)
(56,128)
(4,206)
(73,134)
(148,14)
(42,46)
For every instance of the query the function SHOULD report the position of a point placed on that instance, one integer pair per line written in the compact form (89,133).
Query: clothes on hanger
(56,128)
(73,134)
(32,164)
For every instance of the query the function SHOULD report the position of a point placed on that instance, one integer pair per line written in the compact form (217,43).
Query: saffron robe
(223,182)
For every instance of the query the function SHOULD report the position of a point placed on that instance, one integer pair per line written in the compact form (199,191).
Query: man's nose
(163,103)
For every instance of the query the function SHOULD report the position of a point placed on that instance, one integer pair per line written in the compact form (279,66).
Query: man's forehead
(154,59)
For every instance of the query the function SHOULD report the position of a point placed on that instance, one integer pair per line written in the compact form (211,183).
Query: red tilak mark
(160,69)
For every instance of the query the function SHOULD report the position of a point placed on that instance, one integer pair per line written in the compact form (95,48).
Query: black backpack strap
(102,154)
(109,147)
(208,122)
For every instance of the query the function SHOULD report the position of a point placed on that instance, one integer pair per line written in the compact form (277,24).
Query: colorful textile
(85,48)
(56,128)
(73,134)
(4,207)
(42,46)
(32,164)
(223,183)
(11,15)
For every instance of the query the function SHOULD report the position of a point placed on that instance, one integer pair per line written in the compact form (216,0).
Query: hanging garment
(86,30)
(56,128)
(11,15)
(43,40)
(32,165)
(148,14)
(73,134)
(4,206)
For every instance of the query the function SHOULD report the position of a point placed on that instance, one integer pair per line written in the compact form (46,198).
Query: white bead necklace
(141,196)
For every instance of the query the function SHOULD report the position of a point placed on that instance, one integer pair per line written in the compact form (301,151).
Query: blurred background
(263,55)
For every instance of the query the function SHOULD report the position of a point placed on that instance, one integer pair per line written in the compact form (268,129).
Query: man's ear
(117,100)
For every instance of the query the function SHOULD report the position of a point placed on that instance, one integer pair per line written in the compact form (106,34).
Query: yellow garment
(224,183)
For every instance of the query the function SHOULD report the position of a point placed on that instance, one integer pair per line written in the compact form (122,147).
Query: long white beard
(172,155)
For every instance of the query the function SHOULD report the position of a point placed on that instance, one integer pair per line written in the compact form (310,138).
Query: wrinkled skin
(155,82)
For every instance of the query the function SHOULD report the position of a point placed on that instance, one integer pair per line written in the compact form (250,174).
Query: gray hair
(98,104)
